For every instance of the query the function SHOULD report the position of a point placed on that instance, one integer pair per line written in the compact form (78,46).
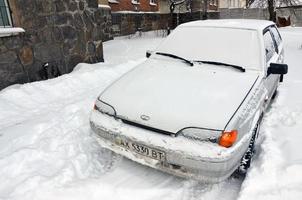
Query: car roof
(231,23)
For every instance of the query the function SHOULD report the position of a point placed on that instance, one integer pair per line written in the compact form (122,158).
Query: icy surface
(47,152)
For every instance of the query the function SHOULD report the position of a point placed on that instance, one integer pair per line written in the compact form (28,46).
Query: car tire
(275,94)
(248,156)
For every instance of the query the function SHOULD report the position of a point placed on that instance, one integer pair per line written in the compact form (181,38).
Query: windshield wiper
(174,56)
(220,63)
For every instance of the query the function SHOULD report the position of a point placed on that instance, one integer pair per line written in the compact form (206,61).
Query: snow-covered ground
(47,151)
(277,170)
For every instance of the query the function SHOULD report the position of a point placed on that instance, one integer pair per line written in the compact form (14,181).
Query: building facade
(188,6)
(134,5)
(232,3)
(41,39)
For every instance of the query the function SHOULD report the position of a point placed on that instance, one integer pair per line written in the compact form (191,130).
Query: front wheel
(275,94)
(248,156)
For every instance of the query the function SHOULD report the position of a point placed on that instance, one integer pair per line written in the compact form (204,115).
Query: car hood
(169,95)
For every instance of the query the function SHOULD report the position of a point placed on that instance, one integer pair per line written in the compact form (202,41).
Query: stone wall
(187,17)
(129,23)
(241,13)
(58,35)
(129,5)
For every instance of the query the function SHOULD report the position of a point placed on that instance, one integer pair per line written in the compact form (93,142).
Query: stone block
(91,48)
(74,60)
(45,6)
(8,57)
(13,42)
(62,18)
(40,21)
(78,21)
(47,52)
(45,35)
(3,49)
(88,20)
(99,52)
(92,3)
(99,16)
(26,55)
(69,32)
(57,35)
(60,6)
(73,6)
(81,5)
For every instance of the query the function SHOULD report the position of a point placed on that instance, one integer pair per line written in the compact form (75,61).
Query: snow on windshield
(232,46)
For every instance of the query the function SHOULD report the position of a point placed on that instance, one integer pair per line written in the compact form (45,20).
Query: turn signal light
(227,139)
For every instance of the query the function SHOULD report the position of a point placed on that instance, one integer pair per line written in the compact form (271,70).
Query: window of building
(135,1)
(5,18)
(153,2)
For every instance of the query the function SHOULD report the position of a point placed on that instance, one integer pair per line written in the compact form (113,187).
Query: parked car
(193,108)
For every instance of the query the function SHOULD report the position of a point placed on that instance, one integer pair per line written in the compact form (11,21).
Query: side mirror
(277,68)
(148,53)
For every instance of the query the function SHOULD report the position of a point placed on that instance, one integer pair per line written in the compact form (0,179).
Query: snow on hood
(175,95)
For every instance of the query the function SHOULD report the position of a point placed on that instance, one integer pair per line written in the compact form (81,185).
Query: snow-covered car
(193,108)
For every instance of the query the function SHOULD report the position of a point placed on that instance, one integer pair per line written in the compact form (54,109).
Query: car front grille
(147,127)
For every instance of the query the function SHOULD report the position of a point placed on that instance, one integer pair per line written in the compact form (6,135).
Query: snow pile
(47,152)
(44,135)
(276,172)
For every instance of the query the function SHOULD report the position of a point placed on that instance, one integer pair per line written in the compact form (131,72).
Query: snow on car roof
(231,23)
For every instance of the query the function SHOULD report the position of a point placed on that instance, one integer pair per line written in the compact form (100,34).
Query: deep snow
(47,152)
(277,170)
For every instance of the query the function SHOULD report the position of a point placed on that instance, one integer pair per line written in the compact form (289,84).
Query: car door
(272,55)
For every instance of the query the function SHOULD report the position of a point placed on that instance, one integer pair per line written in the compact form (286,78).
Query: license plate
(141,149)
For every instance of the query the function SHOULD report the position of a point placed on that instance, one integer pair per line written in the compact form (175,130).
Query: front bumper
(203,161)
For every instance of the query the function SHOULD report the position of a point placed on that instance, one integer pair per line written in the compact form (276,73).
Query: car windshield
(238,47)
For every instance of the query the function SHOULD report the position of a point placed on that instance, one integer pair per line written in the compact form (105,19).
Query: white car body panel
(163,88)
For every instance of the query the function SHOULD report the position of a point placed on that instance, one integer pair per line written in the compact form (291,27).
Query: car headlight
(201,134)
(104,107)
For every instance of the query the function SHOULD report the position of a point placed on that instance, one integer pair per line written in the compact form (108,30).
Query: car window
(225,45)
(276,35)
(269,45)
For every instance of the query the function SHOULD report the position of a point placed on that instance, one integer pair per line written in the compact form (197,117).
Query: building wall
(241,13)
(129,5)
(130,23)
(196,5)
(61,33)
(103,2)
(232,3)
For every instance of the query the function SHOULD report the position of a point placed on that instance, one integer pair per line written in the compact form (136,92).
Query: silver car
(193,108)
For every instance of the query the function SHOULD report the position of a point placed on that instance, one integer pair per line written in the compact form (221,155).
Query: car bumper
(203,161)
